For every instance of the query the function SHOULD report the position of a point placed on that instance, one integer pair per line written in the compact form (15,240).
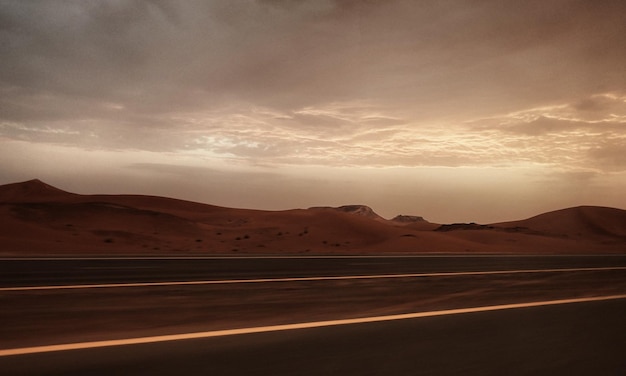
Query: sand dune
(32,191)
(40,219)
(582,221)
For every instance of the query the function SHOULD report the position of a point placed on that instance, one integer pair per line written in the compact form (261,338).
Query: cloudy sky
(477,110)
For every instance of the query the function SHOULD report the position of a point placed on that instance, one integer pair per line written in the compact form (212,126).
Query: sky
(457,111)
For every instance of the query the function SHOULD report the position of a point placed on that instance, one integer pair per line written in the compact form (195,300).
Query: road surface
(46,271)
(75,301)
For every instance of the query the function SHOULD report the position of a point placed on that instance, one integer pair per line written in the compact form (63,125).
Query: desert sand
(39,219)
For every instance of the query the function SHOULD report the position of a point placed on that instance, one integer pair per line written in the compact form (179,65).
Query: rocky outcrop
(406,219)
(360,210)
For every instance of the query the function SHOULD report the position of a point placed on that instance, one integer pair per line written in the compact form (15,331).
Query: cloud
(586,133)
(358,83)
(287,54)
(610,154)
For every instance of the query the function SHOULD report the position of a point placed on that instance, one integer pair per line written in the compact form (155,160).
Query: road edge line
(297,326)
(305,279)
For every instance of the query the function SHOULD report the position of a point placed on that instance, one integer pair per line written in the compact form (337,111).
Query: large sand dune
(40,219)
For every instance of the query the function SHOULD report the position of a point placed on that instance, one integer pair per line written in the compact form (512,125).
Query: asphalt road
(27,272)
(577,338)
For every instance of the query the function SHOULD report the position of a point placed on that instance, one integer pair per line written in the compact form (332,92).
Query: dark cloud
(597,107)
(150,55)
(351,83)
(610,155)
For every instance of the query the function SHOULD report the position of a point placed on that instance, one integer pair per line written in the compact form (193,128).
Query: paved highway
(57,271)
(52,302)
(570,339)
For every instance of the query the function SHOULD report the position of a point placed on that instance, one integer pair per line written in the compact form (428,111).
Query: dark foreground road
(571,339)
(576,338)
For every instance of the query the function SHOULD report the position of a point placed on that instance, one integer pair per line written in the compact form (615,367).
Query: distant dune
(39,219)
(32,191)
(581,221)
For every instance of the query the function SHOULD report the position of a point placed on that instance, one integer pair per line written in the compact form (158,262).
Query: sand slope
(581,221)
(32,191)
(40,219)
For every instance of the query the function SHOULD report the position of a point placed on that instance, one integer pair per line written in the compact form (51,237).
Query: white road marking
(304,279)
(288,257)
(267,257)
(305,325)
